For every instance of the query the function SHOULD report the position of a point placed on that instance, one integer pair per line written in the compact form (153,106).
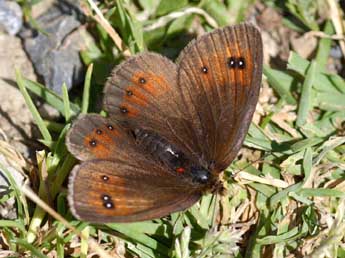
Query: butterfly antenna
(233,174)
(214,212)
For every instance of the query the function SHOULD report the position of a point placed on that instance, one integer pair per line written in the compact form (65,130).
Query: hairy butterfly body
(172,128)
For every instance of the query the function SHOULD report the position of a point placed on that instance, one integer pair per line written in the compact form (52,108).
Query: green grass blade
(86,92)
(67,108)
(37,117)
(12,224)
(18,195)
(50,97)
(281,83)
(321,192)
(131,232)
(29,247)
(307,163)
(301,66)
(325,45)
(305,104)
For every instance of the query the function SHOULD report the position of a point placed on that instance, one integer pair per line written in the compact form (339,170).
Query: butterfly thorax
(171,157)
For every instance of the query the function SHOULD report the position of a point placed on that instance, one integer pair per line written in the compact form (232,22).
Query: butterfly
(171,129)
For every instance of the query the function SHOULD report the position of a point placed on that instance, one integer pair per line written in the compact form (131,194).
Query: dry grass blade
(106,26)
(337,21)
(240,176)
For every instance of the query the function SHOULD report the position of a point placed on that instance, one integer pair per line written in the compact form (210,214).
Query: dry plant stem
(332,236)
(172,16)
(321,34)
(3,135)
(240,211)
(337,21)
(279,121)
(94,246)
(14,158)
(107,27)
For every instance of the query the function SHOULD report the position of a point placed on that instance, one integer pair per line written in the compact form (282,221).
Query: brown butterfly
(172,128)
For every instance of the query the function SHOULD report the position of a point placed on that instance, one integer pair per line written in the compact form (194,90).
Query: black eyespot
(204,69)
(105,178)
(110,127)
(142,80)
(232,62)
(123,110)
(98,131)
(129,93)
(108,205)
(93,143)
(241,63)
(106,197)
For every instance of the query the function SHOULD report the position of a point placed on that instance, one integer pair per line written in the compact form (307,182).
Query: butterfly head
(200,174)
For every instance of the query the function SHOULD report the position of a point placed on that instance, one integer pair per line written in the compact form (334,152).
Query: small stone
(11,17)
(8,208)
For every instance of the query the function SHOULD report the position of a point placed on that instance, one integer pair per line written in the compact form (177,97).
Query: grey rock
(11,17)
(55,54)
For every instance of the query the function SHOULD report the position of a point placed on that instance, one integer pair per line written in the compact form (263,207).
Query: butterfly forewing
(219,79)
(138,88)
(141,93)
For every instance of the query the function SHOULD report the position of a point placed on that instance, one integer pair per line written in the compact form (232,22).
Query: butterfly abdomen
(159,148)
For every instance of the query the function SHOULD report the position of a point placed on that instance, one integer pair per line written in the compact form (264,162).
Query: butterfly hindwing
(95,137)
(111,191)
(117,172)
